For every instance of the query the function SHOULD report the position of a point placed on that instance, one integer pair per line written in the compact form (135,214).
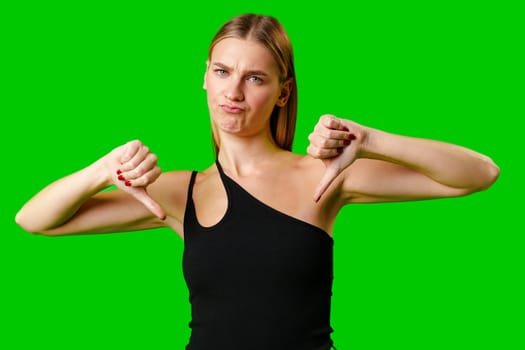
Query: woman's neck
(244,155)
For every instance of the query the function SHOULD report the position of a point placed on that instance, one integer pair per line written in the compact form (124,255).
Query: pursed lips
(231,109)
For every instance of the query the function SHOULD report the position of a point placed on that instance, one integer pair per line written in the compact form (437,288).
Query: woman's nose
(233,91)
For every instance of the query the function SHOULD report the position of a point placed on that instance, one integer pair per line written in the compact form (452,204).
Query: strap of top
(192,182)
(219,167)
(189,213)
(189,199)
(225,179)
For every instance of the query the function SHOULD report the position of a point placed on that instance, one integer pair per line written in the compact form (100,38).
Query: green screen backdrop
(80,78)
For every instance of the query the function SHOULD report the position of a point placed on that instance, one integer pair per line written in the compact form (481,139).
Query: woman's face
(242,81)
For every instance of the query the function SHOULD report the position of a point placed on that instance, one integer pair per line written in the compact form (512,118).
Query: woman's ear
(205,74)
(286,89)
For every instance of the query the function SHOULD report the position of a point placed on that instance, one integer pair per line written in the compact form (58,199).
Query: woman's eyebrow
(250,72)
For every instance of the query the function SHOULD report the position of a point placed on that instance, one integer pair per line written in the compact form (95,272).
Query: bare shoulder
(207,174)
(312,170)
(170,191)
(305,174)
(362,176)
(169,178)
(307,163)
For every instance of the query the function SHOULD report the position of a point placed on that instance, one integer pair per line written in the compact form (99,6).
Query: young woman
(257,224)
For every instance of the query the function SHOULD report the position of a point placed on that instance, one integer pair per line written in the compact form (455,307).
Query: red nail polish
(346,142)
(119,172)
(352,137)
(121,178)
(127,183)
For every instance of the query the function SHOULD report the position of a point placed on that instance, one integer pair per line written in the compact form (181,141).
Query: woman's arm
(75,203)
(379,166)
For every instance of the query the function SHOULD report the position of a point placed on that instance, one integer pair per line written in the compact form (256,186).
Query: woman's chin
(230,126)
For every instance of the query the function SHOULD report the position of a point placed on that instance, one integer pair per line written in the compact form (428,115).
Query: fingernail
(127,183)
(340,150)
(351,137)
(121,178)
(119,172)
(346,142)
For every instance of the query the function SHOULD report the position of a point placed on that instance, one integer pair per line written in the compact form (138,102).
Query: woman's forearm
(448,164)
(59,201)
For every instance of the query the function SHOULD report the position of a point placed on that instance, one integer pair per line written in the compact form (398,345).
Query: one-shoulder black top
(259,279)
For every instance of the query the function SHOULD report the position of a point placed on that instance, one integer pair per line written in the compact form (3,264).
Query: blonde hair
(268,31)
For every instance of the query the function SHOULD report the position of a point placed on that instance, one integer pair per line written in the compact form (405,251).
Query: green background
(80,78)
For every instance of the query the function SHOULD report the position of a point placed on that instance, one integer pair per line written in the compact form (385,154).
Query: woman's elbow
(491,175)
(29,225)
(480,181)
(485,179)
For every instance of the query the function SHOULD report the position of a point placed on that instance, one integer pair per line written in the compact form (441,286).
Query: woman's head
(267,32)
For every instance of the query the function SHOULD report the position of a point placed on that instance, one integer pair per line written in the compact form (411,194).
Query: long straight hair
(269,32)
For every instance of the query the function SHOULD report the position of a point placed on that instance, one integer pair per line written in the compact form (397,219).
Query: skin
(346,163)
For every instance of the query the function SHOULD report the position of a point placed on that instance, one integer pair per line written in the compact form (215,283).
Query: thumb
(328,177)
(142,196)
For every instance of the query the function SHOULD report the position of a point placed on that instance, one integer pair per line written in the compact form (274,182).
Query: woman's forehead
(245,54)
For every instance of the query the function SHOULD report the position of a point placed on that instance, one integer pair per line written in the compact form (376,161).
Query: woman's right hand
(132,168)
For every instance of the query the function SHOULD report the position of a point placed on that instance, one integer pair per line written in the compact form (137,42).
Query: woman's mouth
(232,109)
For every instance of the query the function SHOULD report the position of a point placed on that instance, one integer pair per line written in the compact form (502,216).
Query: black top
(258,279)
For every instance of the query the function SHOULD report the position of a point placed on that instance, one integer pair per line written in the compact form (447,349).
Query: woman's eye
(220,72)
(254,79)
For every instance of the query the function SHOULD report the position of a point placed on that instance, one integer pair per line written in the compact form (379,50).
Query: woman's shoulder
(175,183)
(170,190)
(297,170)
(174,177)
(309,171)
(306,164)
(171,186)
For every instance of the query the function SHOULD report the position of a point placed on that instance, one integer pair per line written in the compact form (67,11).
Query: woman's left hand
(337,142)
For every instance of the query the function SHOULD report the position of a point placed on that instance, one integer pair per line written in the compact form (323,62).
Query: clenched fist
(337,142)
(132,167)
